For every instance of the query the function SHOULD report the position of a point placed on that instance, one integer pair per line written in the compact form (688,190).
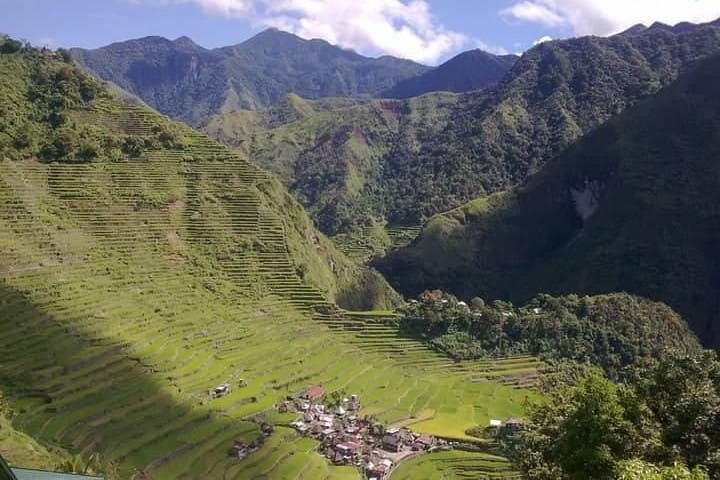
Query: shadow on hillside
(44,364)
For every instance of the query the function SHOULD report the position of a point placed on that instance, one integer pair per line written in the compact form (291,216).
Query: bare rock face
(587,198)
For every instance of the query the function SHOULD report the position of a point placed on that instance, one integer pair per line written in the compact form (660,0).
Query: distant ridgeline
(613,332)
(355,164)
(188,82)
(631,207)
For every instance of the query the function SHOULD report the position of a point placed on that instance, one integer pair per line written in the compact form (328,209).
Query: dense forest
(631,207)
(43,93)
(404,161)
(660,425)
(613,332)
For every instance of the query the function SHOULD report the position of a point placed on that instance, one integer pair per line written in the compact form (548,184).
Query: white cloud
(605,17)
(403,28)
(544,39)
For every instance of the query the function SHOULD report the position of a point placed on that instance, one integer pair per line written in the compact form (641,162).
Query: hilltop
(471,70)
(630,207)
(188,82)
(401,161)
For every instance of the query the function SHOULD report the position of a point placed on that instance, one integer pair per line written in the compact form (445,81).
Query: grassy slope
(130,287)
(404,161)
(653,174)
(19,449)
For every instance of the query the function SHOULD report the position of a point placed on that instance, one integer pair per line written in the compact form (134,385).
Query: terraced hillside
(456,465)
(130,287)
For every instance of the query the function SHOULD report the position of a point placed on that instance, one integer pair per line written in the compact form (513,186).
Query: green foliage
(666,417)
(640,470)
(400,162)
(43,97)
(628,208)
(611,331)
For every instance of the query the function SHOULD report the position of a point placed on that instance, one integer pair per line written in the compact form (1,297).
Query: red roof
(314,392)
(425,439)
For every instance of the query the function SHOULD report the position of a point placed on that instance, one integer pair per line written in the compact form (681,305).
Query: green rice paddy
(129,289)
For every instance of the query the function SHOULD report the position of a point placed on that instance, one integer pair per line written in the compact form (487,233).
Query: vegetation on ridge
(403,161)
(613,332)
(628,208)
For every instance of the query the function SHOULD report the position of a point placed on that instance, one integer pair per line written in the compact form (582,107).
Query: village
(345,437)
(348,439)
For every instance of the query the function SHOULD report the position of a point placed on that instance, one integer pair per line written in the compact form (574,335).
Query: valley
(132,287)
(282,259)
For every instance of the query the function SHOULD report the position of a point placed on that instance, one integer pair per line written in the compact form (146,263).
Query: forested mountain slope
(471,70)
(631,207)
(188,82)
(403,161)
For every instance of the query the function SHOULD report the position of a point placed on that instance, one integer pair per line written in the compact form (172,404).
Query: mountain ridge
(630,207)
(470,70)
(402,161)
(189,82)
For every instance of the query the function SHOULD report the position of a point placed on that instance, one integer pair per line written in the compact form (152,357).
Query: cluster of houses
(347,439)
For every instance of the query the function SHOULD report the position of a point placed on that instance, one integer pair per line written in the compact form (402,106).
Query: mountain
(402,161)
(56,113)
(633,206)
(471,70)
(143,267)
(188,82)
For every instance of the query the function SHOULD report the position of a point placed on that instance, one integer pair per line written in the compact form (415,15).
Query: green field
(455,465)
(131,288)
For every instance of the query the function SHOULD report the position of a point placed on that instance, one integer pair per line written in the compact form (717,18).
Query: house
(239,449)
(313,393)
(378,471)
(220,390)
(353,404)
(514,425)
(426,441)
(392,443)
(495,423)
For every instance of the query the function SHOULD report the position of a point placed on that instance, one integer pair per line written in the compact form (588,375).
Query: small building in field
(514,425)
(314,393)
(220,390)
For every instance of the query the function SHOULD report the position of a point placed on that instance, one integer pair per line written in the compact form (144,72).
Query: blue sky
(425,30)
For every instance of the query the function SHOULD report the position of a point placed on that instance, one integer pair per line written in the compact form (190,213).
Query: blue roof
(28,474)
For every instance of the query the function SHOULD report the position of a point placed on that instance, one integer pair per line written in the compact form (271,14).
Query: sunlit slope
(118,318)
(130,287)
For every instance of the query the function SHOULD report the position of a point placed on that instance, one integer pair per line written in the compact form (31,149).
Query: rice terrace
(335,240)
(133,287)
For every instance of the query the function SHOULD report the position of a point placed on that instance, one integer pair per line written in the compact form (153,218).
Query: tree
(583,431)
(682,390)
(636,469)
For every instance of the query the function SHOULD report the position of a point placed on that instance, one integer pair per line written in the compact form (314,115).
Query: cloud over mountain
(605,17)
(401,28)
